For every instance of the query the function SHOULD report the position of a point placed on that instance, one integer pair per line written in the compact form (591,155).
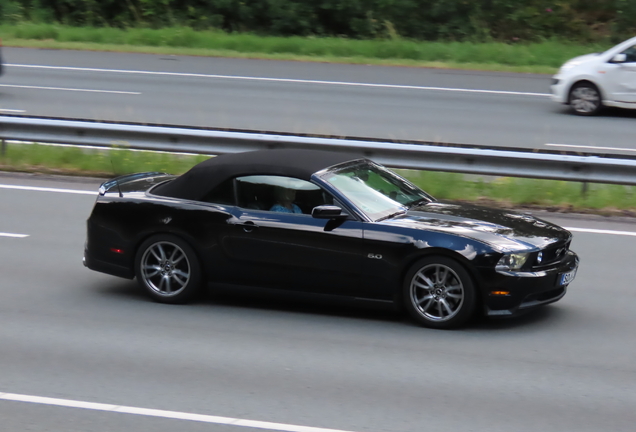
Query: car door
(621,78)
(271,245)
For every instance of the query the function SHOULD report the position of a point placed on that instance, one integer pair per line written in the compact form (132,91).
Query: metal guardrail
(411,155)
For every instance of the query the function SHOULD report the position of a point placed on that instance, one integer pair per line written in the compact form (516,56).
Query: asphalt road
(495,109)
(70,333)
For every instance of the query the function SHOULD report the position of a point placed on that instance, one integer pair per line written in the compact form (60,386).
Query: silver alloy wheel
(585,99)
(165,268)
(436,292)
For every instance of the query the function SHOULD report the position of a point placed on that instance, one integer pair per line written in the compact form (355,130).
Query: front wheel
(439,293)
(585,99)
(167,268)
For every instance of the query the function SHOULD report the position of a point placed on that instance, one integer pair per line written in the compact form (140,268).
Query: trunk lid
(139,182)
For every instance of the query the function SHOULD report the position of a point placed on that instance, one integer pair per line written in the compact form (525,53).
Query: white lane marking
(69,89)
(600,231)
(83,192)
(13,235)
(284,80)
(11,110)
(45,189)
(177,415)
(591,147)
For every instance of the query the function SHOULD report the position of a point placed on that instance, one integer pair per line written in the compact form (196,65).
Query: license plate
(566,278)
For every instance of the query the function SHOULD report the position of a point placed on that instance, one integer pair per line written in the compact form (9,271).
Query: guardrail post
(584,188)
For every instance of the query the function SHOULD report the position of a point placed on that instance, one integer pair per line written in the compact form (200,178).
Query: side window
(631,54)
(222,194)
(279,194)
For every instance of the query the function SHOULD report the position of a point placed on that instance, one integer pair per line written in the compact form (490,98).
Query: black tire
(167,268)
(585,99)
(439,293)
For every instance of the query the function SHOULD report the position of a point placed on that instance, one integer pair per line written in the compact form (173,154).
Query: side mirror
(619,58)
(328,212)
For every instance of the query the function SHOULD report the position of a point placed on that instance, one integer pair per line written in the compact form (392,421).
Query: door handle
(248,226)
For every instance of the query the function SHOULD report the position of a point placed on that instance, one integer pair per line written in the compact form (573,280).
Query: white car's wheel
(585,98)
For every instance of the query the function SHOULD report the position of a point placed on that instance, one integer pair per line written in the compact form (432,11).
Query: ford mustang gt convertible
(324,223)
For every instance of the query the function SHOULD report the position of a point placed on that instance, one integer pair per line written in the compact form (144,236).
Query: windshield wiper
(392,215)
(417,202)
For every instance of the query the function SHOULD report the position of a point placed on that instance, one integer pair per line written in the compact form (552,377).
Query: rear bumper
(526,290)
(106,267)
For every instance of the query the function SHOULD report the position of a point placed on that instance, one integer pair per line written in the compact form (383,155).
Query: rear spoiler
(130,178)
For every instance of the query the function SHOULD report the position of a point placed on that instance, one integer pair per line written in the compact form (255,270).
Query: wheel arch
(472,299)
(191,282)
(447,253)
(184,237)
(585,80)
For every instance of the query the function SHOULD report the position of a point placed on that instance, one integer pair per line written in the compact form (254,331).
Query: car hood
(577,61)
(583,58)
(504,230)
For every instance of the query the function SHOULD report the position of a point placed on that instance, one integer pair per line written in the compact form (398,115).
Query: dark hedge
(506,20)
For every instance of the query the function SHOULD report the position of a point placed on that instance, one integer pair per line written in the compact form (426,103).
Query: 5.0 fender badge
(166,220)
(374,256)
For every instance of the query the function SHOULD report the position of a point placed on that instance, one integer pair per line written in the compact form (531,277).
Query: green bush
(476,20)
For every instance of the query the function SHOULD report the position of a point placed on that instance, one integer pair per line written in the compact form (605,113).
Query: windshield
(375,190)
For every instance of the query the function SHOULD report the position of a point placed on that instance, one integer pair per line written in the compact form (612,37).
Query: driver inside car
(285,201)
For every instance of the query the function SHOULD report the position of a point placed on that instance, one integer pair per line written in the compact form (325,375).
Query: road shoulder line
(176,415)
(45,189)
(601,231)
(281,80)
(2,234)
(83,192)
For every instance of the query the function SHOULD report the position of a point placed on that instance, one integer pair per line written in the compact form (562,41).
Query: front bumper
(559,89)
(527,290)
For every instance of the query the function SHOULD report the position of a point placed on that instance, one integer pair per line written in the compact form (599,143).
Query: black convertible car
(328,223)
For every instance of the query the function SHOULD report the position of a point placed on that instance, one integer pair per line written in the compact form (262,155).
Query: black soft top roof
(204,177)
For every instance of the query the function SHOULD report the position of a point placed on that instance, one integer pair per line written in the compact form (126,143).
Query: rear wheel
(439,293)
(585,99)
(167,268)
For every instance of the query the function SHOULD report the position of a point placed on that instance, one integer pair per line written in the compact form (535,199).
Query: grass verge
(506,192)
(68,160)
(541,57)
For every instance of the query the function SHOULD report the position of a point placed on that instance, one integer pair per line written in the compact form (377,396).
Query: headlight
(569,65)
(512,261)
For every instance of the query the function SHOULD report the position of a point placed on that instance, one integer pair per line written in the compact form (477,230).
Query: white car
(589,82)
